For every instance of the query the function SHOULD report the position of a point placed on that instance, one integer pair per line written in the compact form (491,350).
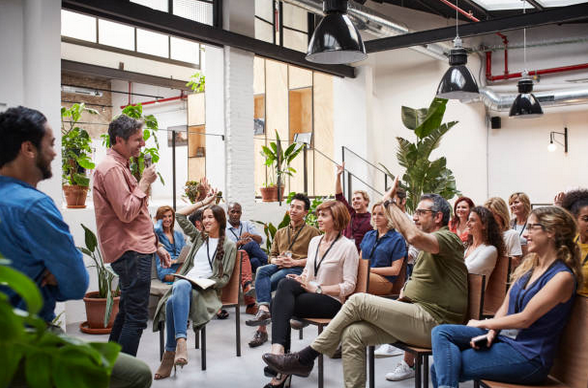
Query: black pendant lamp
(335,40)
(525,105)
(458,83)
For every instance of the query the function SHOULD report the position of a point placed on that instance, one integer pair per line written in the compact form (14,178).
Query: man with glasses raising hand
(435,294)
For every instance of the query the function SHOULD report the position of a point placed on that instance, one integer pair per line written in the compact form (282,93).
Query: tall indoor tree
(423,175)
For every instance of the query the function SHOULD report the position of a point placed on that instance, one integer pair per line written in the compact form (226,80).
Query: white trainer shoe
(401,372)
(387,350)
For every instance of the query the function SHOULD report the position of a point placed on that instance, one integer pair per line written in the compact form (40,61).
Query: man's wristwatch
(319,290)
(388,202)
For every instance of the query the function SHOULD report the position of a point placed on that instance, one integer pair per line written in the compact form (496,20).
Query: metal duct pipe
(373,22)
(502,102)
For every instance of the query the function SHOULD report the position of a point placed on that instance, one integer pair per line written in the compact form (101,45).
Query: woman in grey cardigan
(211,256)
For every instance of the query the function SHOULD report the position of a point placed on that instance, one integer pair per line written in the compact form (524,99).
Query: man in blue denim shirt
(33,235)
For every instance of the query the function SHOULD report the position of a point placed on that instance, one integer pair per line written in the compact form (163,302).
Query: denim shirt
(173,249)
(383,251)
(34,237)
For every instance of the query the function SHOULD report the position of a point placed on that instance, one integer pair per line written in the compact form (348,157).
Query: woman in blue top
(521,340)
(172,240)
(385,248)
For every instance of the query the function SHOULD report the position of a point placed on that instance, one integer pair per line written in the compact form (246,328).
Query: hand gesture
(149,174)
(48,279)
(392,192)
(341,169)
(164,257)
(558,199)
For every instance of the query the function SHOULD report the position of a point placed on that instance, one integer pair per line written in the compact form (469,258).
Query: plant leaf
(91,240)
(24,287)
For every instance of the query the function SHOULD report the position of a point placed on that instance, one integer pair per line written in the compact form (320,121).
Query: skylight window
(152,43)
(502,5)
(116,35)
(160,5)
(560,3)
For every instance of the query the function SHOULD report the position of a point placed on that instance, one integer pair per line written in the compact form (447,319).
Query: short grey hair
(124,127)
(440,205)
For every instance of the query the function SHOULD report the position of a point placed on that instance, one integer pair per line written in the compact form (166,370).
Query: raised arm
(340,170)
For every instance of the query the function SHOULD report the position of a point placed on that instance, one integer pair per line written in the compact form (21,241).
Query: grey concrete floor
(225,369)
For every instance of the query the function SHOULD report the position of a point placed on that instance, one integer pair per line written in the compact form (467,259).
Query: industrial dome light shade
(335,40)
(458,83)
(525,105)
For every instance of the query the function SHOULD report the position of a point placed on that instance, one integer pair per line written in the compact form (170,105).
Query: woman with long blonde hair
(521,341)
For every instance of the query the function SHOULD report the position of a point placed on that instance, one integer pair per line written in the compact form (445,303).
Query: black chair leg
(203,350)
(426,371)
(321,364)
(238,329)
(197,339)
(417,371)
(161,339)
(372,366)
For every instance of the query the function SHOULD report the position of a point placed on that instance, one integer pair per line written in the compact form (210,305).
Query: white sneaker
(402,372)
(387,350)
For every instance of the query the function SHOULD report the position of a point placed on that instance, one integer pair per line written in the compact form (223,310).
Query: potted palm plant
(423,175)
(76,156)
(101,305)
(278,162)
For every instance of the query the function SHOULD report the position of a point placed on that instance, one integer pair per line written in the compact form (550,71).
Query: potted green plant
(150,129)
(194,192)
(76,155)
(423,175)
(34,355)
(101,305)
(278,162)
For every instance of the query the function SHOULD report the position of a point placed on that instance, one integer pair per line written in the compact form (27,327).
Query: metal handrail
(364,159)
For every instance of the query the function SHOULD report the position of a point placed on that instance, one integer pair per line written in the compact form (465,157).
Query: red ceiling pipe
(467,14)
(488,65)
(552,70)
(180,97)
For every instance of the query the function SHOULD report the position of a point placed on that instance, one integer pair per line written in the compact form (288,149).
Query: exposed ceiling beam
(475,8)
(551,16)
(144,17)
(110,73)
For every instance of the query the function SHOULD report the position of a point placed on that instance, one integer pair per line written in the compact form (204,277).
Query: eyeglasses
(535,226)
(421,212)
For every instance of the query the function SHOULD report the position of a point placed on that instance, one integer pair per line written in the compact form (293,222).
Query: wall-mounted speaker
(495,122)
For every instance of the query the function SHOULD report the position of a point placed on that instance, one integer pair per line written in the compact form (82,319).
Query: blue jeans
(455,360)
(257,256)
(134,273)
(177,309)
(267,278)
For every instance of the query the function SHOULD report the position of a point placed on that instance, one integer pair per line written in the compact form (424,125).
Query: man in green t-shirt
(436,293)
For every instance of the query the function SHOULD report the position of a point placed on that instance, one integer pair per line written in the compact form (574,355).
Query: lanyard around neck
(240,231)
(295,237)
(378,239)
(317,262)
(208,252)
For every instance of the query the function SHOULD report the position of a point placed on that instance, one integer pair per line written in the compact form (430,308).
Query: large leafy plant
(149,132)
(34,355)
(278,160)
(104,273)
(76,150)
(423,175)
(197,82)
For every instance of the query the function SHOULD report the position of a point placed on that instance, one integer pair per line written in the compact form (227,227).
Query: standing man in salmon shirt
(125,230)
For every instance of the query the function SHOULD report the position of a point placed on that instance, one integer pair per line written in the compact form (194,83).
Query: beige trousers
(366,320)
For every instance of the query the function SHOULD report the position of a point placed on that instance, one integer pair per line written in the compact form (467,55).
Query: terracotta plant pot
(270,194)
(75,196)
(95,308)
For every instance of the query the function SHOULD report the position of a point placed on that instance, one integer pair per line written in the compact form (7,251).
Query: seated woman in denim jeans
(518,345)
(212,256)
(172,240)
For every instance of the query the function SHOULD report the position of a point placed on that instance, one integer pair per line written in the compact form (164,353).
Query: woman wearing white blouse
(328,278)
(512,242)
(485,242)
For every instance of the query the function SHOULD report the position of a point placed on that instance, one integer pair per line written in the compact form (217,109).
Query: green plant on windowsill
(278,160)
(423,175)
(197,82)
(149,132)
(31,354)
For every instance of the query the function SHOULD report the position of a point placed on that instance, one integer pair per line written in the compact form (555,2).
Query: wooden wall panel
(196,109)
(196,168)
(323,134)
(299,78)
(300,122)
(258,75)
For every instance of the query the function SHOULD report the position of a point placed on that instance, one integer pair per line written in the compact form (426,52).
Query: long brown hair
(160,213)
(563,225)
(455,220)
(219,215)
(491,232)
